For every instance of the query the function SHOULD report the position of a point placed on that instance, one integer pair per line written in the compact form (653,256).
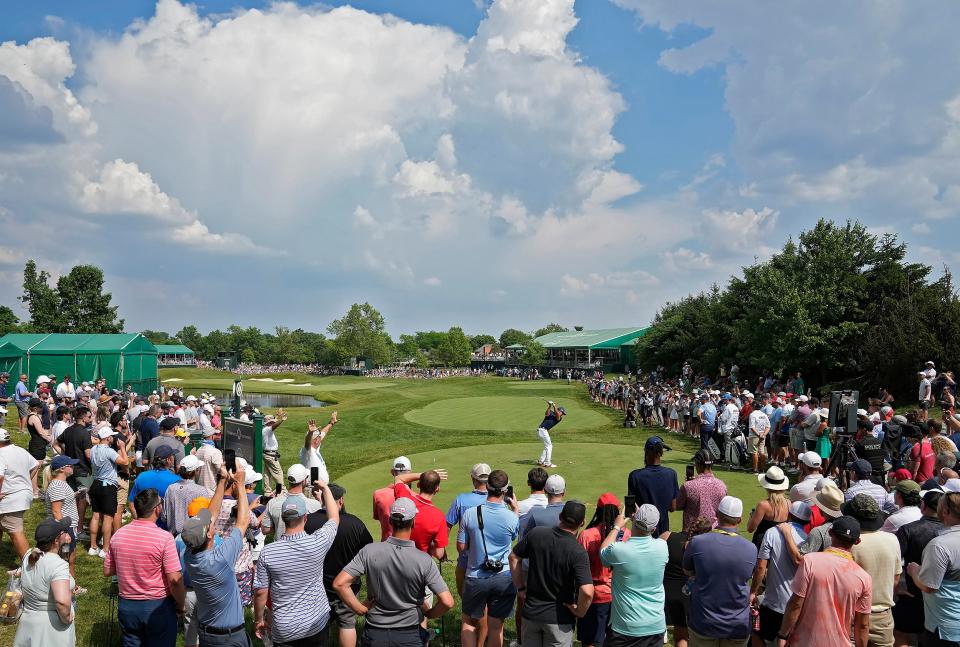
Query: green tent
(119,359)
(10,359)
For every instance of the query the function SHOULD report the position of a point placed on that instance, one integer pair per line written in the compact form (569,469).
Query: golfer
(551,419)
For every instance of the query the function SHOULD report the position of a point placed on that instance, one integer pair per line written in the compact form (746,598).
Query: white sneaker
(94,551)
(550,465)
(102,554)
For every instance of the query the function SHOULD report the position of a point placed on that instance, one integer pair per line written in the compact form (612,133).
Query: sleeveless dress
(37,445)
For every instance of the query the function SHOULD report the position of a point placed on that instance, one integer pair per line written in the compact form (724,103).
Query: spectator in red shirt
(592,628)
(384,497)
(430,532)
(922,457)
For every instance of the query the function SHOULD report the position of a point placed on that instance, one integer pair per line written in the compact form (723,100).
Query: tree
(190,337)
(8,321)
(549,328)
(39,298)
(512,336)
(82,305)
(534,354)
(455,349)
(482,340)
(360,333)
(158,337)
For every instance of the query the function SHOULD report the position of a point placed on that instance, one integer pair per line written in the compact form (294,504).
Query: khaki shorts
(12,521)
(753,443)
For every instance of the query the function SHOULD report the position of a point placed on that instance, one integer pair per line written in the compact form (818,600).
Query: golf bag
(714,449)
(735,451)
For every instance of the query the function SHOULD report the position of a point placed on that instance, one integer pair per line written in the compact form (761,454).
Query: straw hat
(774,479)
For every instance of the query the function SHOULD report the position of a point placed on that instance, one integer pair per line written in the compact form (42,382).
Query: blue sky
(489,165)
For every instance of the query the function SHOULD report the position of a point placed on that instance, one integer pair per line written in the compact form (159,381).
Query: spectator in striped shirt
(290,570)
(144,559)
(178,496)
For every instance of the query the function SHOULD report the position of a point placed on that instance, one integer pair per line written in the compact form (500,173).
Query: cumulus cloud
(626,281)
(684,260)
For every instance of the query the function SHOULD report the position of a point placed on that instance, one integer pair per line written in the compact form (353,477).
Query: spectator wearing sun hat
(775,569)
(290,570)
(654,483)
(700,496)
(397,575)
(178,495)
(637,616)
(722,563)
(878,553)
(773,508)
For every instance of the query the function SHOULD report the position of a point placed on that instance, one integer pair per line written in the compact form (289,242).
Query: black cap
(168,424)
(573,513)
(49,529)
(846,527)
(655,443)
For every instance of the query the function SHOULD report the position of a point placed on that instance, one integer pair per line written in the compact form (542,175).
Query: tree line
(77,303)
(840,304)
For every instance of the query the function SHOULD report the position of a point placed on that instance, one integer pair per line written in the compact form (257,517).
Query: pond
(270,400)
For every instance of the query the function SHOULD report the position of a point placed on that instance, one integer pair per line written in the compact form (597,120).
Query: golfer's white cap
(402,464)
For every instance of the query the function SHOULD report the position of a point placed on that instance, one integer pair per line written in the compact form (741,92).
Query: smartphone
(277,490)
(629,505)
(510,491)
(689,472)
(314,475)
(230,460)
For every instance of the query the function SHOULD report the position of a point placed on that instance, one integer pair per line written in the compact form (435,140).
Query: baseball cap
(197,504)
(106,432)
(293,507)
(191,398)
(297,473)
(861,467)
(952,486)
(846,526)
(800,510)
(655,443)
(49,529)
(564,411)
(194,533)
(190,463)
(163,451)
(861,412)
(210,431)
(902,474)
(731,506)
(608,498)
(647,516)
(811,459)
(252,477)
(403,509)
(61,461)
(480,472)
(907,486)
(402,463)
(555,485)
(573,512)
(747,394)
(802,398)
(727,396)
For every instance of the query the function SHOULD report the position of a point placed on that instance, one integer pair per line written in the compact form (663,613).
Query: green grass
(451,423)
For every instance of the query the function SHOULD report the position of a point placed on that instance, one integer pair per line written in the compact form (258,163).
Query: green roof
(57,344)
(173,349)
(592,339)
(515,347)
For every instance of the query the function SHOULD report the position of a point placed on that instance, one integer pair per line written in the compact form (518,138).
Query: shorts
(493,595)
(73,539)
(908,615)
(924,405)
(103,498)
(810,445)
(676,611)
(619,640)
(123,490)
(753,444)
(770,622)
(24,409)
(340,612)
(405,637)
(592,628)
(12,521)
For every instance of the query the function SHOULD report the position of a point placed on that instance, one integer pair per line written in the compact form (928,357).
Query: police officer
(870,448)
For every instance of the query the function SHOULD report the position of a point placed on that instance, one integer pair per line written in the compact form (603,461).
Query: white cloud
(432,281)
(574,286)
(920,228)
(683,260)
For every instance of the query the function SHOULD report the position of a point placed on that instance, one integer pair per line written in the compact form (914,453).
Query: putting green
(590,469)
(500,413)
(542,386)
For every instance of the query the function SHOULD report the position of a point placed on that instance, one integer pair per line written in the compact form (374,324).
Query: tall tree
(549,328)
(535,354)
(512,336)
(455,349)
(361,333)
(39,299)
(82,305)
(8,320)
(482,340)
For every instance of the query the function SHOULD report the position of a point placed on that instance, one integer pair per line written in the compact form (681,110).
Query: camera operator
(870,448)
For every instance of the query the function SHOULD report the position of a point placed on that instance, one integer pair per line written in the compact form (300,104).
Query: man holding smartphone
(297,477)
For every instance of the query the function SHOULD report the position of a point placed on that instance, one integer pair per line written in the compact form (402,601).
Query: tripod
(843,454)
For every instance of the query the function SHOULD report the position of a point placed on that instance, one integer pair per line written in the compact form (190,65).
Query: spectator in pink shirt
(700,496)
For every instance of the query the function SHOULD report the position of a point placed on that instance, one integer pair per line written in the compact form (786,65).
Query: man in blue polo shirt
(708,419)
(721,563)
(654,483)
(159,478)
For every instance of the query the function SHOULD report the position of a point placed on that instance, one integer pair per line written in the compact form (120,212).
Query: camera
(492,565)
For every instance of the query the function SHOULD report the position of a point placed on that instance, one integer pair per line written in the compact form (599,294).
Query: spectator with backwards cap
(397,576)
(384,497)
(637,616)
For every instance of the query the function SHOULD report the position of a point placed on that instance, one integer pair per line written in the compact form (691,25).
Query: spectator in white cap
(479,475)
(637,616)
(558,588)
(179,495)
(211,457)
(397,576)
(18,469)
(775,569)
(721,563)
(290,570)
(384,497)
(549,515)
(810,466)
(297,477)
(310,455)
